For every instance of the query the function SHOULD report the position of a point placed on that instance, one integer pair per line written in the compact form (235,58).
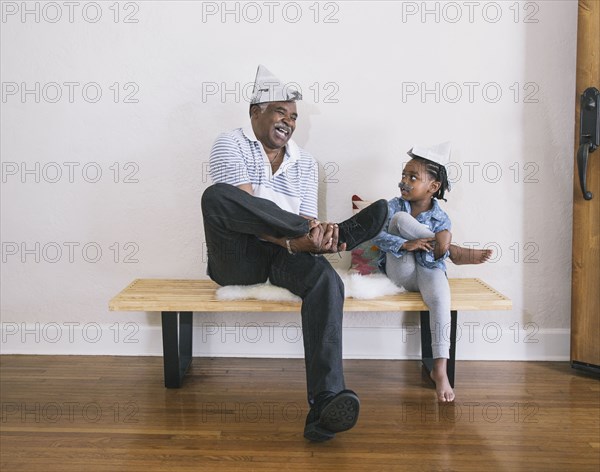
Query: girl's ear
(434,186)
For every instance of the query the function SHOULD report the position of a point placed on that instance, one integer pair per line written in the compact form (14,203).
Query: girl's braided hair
(438,172)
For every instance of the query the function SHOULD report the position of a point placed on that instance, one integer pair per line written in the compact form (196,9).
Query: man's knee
(210,195)
(214,194)
(327,275)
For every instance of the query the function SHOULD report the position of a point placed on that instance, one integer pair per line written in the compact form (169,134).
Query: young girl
(416,243)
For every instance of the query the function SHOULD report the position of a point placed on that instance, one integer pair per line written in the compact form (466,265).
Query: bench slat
(199,296)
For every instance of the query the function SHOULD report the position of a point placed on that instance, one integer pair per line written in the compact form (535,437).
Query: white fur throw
(356,286)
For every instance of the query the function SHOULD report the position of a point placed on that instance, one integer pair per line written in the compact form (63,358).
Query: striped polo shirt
(237,158)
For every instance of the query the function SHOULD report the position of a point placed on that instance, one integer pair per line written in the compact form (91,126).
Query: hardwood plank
(248,414)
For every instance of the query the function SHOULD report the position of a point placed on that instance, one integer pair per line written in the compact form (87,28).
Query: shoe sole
(341,413)
(313,432)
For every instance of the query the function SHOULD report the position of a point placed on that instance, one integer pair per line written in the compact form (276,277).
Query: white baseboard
(487,341)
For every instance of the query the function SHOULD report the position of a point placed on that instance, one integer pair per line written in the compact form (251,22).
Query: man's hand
(321,239)
(423,244)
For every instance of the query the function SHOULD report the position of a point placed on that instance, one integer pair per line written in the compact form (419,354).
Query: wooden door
(585,298)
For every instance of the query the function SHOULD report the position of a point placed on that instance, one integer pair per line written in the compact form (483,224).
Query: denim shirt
(435,219)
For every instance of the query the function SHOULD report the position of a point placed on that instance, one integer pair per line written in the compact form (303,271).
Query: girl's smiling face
(417,183)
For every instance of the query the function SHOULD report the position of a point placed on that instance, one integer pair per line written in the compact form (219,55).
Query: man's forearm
(274,240)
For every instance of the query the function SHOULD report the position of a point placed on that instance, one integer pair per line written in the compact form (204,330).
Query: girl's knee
(408,227)
(402,218)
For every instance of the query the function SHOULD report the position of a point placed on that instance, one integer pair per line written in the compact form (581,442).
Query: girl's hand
(423,244)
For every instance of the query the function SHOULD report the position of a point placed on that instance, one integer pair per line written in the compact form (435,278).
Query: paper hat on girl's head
(268,88)
(439,153)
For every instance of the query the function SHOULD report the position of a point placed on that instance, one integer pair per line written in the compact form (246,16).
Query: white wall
(365,68)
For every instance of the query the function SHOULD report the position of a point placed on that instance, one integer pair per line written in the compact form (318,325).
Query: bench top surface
(200,296)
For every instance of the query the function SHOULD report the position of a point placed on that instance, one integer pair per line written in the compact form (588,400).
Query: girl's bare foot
(464,255)
(443,389)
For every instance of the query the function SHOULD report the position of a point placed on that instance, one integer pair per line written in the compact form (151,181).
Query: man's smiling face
(275,125)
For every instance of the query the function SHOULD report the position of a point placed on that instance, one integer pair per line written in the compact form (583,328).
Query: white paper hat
(439,153)
(268,88)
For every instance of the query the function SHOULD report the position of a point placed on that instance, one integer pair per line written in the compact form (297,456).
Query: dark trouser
(232,221)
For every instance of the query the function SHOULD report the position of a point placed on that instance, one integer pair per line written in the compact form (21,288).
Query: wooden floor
(72,413)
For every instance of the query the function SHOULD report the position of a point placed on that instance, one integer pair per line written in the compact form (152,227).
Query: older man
(260,221)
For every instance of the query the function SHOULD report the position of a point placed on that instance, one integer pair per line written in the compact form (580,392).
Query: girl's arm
(389,243)
(397,245)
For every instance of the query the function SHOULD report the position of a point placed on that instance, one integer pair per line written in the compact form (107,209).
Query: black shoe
(334,414)
(313,430)
(365,225)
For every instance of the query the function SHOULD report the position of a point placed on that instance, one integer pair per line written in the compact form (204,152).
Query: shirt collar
(291,148)
(249,133)
(436,211)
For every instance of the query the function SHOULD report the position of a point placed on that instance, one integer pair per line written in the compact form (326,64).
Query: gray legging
(432,283)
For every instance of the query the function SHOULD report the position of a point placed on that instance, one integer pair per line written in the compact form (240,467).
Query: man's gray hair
(263,106)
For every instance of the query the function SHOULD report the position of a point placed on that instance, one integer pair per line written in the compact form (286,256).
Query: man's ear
(255,110)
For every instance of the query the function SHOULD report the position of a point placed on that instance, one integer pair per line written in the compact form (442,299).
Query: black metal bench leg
(450,369)
(177,346)
(426,352)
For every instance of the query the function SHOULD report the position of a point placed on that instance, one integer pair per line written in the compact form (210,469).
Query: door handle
(589,134)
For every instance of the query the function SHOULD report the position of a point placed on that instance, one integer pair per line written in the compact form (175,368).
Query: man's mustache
(283,127)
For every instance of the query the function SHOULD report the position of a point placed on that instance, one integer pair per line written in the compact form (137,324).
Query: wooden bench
(178,299)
